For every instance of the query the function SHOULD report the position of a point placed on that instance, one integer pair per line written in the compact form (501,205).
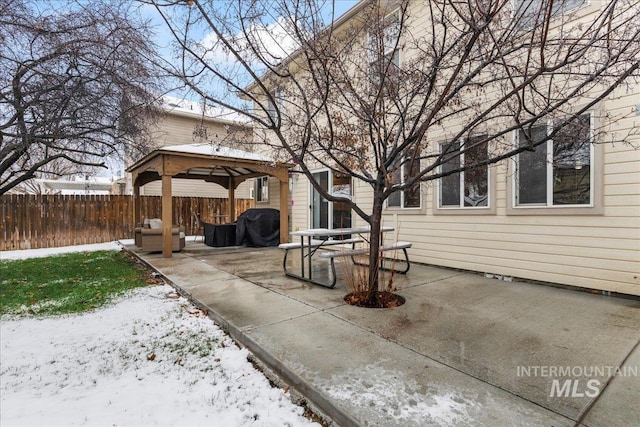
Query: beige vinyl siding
(197,188)
(591,251)
(274,195)
(300,198)
(363,196)
(175,129)
(603,257)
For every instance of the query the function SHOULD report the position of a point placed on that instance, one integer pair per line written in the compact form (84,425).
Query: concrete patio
(463,350)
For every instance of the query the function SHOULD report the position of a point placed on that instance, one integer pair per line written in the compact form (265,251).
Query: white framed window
(558,172)
(468,189)
(272,109)
(412,197)
(530,12)
(384,56)
(262,189)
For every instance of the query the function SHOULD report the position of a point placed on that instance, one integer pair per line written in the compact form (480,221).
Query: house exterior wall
(582,247)
(299,205)
(178,128)
(197,188)
(274,198)
(588,251)
(274,195)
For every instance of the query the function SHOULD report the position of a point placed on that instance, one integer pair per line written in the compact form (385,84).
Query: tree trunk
(374,244)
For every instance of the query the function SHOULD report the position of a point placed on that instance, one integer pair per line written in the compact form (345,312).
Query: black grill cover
(258,228)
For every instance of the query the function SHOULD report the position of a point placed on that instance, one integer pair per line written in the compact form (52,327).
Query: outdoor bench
(364,251)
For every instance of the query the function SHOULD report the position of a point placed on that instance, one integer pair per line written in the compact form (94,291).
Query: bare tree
(403,93)
(76,86)
(54,170)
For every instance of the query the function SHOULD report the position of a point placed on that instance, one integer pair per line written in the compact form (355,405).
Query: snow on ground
(403,402)
(149,358)
(40,253)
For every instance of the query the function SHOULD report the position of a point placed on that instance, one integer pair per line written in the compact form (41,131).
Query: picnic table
(313,239)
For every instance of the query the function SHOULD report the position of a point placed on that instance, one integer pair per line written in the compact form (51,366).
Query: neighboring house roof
(188,108)
(76,187)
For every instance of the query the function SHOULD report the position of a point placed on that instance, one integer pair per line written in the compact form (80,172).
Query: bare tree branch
(76,86)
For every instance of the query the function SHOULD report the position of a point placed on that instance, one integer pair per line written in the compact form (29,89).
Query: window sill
(403,211)
(556,210)
(489,210)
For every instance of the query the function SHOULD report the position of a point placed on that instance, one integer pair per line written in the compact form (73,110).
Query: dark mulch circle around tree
(381,299)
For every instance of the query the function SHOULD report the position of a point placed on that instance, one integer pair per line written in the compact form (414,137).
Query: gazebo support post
(232,200)
(137,208)
(167,213)
(284,211)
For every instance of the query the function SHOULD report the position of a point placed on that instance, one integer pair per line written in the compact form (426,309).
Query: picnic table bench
(312,244)
(365,251)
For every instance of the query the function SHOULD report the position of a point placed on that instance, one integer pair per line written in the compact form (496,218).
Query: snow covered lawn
(149,358)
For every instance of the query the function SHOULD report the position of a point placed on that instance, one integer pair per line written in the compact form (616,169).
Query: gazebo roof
(208,162)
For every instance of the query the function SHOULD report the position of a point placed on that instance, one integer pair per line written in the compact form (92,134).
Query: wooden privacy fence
(47,221)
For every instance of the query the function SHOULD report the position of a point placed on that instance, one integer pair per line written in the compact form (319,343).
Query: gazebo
(225,166)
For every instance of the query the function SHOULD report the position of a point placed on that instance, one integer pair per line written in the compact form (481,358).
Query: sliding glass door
(330,215)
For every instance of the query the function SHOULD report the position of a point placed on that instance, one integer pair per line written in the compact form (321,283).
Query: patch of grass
(69,283)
